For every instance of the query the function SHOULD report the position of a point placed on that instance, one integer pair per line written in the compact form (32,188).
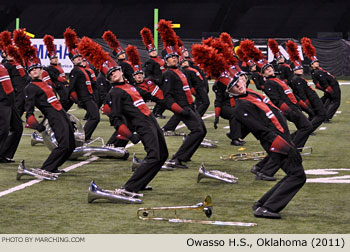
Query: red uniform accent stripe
(186,86)
(5,80)
(286,89)
(269,114)
(51,97)
(87,78)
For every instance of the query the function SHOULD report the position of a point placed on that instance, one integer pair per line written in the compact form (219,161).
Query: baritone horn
(304,151)
(215,174)
(206,206)
(95,193)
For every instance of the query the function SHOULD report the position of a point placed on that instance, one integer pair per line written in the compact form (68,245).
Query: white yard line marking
(323,128)
(72,167)
(338,112)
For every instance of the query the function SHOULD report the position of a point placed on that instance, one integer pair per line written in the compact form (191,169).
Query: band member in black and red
(119,54)
(153,67)
(80,88)
(323,80)
(127,103)
(303,90)
(11,124)
(284,69)
(178,97)
(13,64)
(41,95)
(57,75)
(268,125)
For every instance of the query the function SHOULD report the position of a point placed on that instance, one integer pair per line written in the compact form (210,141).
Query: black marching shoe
(6,160)
(262,176)
(237,142)
(262,212)
(175,163)
(256,205)
(57,171)
(255,169)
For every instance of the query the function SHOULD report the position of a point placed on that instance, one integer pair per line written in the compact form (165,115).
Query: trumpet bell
(206,143)
(215,174)
(35,139)
(135,163)
(95,193)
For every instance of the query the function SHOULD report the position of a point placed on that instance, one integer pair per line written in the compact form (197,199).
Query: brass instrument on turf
(206,206)
(215,174)
(35,139)
(37,173)
(206,143)
(173,133)
(97,193)
(304,151)
(83,149)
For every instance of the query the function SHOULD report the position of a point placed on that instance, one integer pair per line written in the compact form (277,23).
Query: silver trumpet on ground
(35,139)
(34,172)
(173,133)
(136,162)
(83,149)
(304,151)
(117,196)
(206,206)
(215,174)
(206,143)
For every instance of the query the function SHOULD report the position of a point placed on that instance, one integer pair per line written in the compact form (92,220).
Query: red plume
(147,36)
(167,33)
(308,48)
(25,48)
(226,38)
(241,55)
(93,52)
(111,40)
(207,41)
(249,49)
(226,51)
(48,41)
(293,52)
(209,59)
(179,42)
(71,39)
(273,46)
(133,55)
(13,52)
(5,39)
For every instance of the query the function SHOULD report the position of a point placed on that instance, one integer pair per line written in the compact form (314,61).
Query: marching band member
(303,90)
(178,97)
(80,88)
(284,69)
(323,81)
(128,108)
(41,95)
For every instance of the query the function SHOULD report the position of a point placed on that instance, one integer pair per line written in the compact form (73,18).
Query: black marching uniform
(128,107)
(330,86)
(195,81)
(58,77)
(127,70)
(178,97)
(286,72)
(80,85)
(258,80)
(39,94)
(310,98)
(11,124)
(268,125)
(19,79)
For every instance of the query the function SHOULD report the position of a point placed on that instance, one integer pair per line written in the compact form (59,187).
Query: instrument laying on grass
(173,133)
(82,149)
(35,139)
(136,162)
(206,206)
(215,174)
(34,172)
(307,150)
(206,143)
(117,196)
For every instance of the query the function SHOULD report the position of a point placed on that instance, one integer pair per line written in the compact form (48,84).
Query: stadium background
(327,22)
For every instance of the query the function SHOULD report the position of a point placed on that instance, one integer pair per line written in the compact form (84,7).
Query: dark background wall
(253,19)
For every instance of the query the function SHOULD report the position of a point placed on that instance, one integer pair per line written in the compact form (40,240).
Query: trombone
(304,151)
(206,206)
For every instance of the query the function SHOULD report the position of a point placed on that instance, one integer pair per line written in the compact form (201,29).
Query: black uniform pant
(11,129)
(202,101)
(198,131)
(157,152)
(281,193)
(62,92)
(93,118)
(64,134)
(19,97)
(332,102)
(158,109)
(303,125)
